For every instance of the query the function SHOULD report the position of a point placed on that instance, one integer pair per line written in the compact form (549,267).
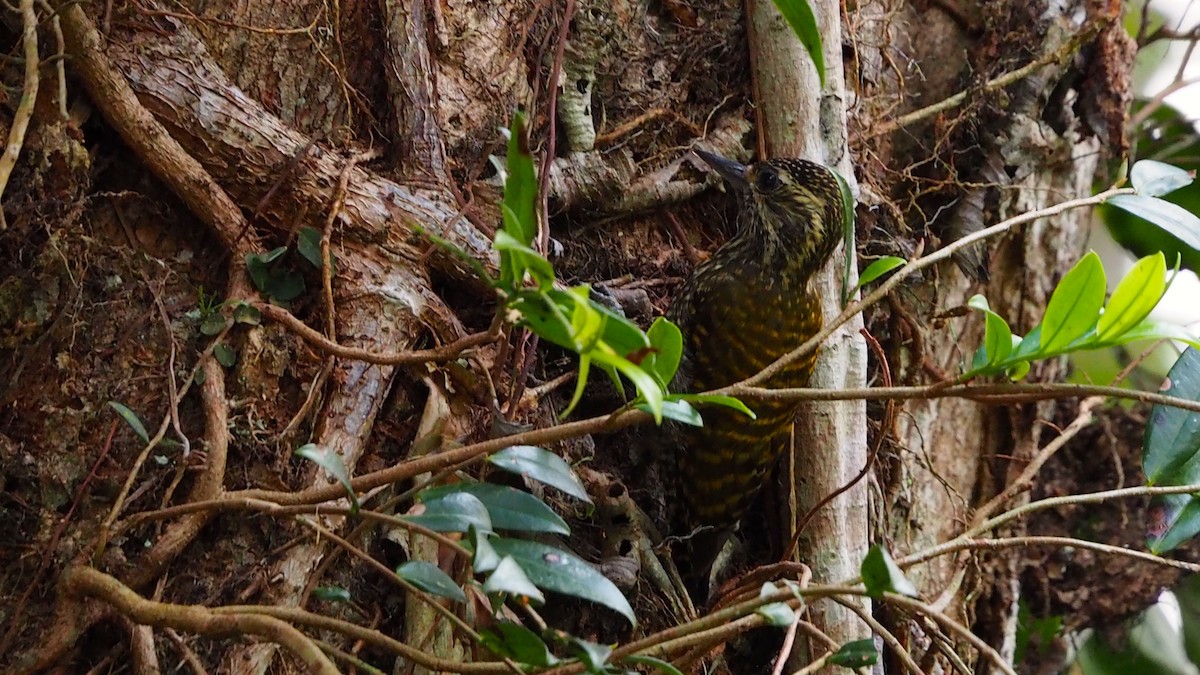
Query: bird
(750,303)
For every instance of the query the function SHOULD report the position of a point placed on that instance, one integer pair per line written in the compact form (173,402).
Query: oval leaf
(555,570)
(716,399)
(332,463)
(777,614)
(879,268)
(332,594)
(1172,520)
(667,344)
(453,512)
(484,558)
(880,574)
(225,355)
(856,654)
(509,508)
(1172,218)
(1172,437)
(1137,294)
(680,411)
(540,465)
(431,579)
(516,642)
(799,16)
(1075,305)
(1155,179)
(997,336)
(131,419)
(508,577)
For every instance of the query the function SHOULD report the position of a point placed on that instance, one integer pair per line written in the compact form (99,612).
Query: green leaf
(332,463)
(484,558)
(715,399)
(520,184)
(516,642)
(587,324)
(880,575)
(131,419)
(648,389)
(247,314)
(621,334)
(508,577)
(509,508)
(855,655)
(667,343)
(1172,218)
(1172,441)
(879,268)
(309,245)
(212,324)
(1150,329)
(225,355)
(657,664)
(522,260)
(270,256)
(1135,296)
(799,16)
(1155,179)
(431,579)
(594,656)
(997,336)
(332,594)
(1075,305)
(540,314)
(1172,520)
(556,570)
(277,283)
(777,614)
(680,411)
(540,465)
(456,511)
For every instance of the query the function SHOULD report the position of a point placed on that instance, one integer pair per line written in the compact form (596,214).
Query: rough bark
(801,119)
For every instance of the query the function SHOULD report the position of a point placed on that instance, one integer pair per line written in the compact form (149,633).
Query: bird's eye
(768,180)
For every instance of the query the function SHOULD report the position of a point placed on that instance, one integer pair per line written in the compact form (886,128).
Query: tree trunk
(241,124)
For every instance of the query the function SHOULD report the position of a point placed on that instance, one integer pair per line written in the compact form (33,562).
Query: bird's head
(791,209)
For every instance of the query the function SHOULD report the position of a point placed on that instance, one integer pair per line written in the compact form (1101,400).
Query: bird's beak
(730,170)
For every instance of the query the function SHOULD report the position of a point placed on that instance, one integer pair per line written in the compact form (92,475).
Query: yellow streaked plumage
(742,309)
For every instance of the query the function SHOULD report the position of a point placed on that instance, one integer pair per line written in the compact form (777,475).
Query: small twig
(1069,47)
(441,354)
(335,207)
(996,543)
(882,631)
(1158,99)
(87,582)
(172,388)
(60,65)
(789,638)
(302,617)
(543,239)
(20,123)
(1081,421)
(186,652)
(952,626)
(402,582)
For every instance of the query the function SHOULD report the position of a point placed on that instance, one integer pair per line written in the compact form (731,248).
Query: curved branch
(89,582)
